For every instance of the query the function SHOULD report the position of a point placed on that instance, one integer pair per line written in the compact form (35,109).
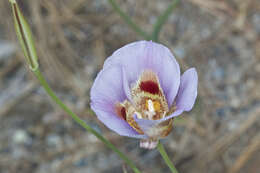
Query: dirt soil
(221,39)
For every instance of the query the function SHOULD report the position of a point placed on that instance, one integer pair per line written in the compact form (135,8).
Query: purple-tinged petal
(145,124)
(126,85)
(139,56)
(106,91)
(188,90)
(117,124)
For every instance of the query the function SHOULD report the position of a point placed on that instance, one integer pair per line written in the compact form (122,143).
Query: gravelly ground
(220,38)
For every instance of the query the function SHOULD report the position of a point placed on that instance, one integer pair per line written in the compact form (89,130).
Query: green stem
(81,122)
(128,20)
(166,158)
(162,19)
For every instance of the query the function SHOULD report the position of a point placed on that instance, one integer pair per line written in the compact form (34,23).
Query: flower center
(148,101)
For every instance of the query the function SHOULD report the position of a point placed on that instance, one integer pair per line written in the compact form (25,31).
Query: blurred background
(220,38)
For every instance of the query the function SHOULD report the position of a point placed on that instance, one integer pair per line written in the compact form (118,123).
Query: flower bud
(24,35)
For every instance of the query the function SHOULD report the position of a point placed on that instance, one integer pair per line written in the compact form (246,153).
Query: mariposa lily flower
(139,91)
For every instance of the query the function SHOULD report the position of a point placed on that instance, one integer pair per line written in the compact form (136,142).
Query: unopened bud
(24,35)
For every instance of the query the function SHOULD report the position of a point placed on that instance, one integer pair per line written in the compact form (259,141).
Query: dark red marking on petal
(121,112)
(150,87)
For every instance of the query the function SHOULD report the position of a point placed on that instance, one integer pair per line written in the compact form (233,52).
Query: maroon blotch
(150,87)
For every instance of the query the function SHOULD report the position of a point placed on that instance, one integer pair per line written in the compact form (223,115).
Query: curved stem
(166,158)
(128,20)
(162,19)
(81,122)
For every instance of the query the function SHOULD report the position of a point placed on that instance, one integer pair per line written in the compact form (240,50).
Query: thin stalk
(166,158)
(25,37)
(162,19)
(128,20)
(81,122)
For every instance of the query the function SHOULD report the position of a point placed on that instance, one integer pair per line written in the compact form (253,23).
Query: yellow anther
(152,106)
(157,106)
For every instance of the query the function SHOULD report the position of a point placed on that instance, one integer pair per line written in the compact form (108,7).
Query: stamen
(157,105)
(164,114)
(150,105)
(139,116)
(151,111)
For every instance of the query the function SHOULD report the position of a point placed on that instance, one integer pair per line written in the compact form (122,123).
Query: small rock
(81,162)
(92,138)
(180,52)
(219,73)
(221,112)
(250,83)
(19,152)
(257,68)
(6,49)
(205,33)
(256,22)
(232,125)
(21,137)
(235,102)
(53,140)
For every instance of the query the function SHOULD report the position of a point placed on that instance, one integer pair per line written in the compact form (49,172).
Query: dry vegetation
(220,38)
